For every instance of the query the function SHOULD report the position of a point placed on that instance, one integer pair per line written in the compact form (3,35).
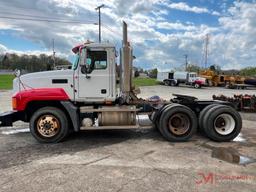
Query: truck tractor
(89,97)
(178,77)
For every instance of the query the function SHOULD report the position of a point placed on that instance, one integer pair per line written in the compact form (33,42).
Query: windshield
(75,63)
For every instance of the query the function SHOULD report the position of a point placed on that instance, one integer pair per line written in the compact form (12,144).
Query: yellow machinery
(213,79)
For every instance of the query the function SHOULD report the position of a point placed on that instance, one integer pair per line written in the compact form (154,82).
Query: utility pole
(53,54)
(98,8)
(186,62)
(206,52)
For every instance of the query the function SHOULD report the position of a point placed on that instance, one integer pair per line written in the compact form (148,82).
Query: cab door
(94,75)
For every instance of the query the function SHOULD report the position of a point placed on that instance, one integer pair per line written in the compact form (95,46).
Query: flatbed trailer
(239,86)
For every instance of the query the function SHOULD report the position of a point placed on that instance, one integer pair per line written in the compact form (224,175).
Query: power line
(47,20)
(40,17)
(112,30)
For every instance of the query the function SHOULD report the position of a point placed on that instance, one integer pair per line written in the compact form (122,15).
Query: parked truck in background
(181,77)
(88,97)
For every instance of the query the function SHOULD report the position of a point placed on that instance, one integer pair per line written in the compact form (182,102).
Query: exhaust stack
(126,65)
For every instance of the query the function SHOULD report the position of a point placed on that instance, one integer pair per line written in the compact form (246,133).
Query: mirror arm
(87,76)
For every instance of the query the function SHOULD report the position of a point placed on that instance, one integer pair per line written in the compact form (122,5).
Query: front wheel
(166,83)
(49,125)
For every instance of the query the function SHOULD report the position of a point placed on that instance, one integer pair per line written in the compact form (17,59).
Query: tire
(197,86)
(222,123)
(177,123)
(49,125)
(201,117)
(166,83)
(173,83)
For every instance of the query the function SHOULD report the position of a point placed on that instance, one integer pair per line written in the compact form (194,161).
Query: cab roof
(91,44)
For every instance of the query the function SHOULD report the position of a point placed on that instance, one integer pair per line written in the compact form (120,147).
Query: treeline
(152,73)
(30,63)
(248,71)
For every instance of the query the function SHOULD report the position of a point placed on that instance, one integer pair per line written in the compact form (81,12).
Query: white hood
(45,79)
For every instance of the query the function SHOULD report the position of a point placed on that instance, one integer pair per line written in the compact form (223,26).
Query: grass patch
(139,82)
(6,81)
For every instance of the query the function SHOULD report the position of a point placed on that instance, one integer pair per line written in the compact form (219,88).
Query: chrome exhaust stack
(126,66)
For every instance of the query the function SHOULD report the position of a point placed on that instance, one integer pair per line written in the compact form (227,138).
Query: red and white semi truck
(88,97)
(181,77)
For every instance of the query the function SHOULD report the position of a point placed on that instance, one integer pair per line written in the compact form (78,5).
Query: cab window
(75,63)
(98,59)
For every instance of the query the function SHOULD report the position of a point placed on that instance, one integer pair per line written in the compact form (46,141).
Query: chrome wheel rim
(224,124)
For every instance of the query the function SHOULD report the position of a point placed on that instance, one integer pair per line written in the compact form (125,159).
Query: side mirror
(86,69)
(17,73)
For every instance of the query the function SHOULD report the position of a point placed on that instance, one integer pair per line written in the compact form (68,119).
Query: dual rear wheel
(177,123)
(218,122)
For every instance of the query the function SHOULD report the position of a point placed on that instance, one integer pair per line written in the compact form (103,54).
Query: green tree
(153,73)
(248,71)
(193,68)
(30,63)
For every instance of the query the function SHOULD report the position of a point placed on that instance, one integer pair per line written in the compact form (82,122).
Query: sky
(160,31)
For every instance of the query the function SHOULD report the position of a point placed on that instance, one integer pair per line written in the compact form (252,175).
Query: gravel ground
(129,160)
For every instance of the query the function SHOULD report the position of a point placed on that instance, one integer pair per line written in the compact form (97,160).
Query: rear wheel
(201,116)
(222,123)
(49,125)
(166,83)
(177,123)
(173,83)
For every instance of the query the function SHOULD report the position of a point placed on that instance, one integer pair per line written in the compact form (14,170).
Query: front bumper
(7,118)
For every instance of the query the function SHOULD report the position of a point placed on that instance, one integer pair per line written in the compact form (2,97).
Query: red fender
(22,98)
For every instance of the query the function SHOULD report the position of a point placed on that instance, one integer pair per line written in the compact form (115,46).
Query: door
(192,77)
(94,81)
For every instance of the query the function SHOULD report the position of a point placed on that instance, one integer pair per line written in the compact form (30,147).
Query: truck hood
(43,79)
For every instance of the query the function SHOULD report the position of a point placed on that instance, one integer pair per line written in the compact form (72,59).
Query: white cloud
(232,43)
(185,7)
(175,26)
(216,13)
(3,49)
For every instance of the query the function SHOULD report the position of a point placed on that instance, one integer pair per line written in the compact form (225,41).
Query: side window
(98,59)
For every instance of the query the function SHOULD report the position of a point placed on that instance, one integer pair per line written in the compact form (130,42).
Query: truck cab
(91,79)
(88,97)
(94,73)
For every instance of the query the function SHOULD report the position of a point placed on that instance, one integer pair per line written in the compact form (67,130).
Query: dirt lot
(132,160)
